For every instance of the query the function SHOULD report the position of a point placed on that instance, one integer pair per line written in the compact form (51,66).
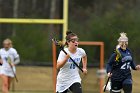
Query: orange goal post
(87,43)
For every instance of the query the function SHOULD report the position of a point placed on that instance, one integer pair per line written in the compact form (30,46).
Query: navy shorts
(116,86)
(74,88)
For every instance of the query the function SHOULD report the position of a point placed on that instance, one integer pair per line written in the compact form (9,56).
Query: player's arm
(134,66)
(132,63)
(84,62)
(138,67)
(16,57)
(62,59)
(62,63)
(0,61)
(109,65)
(16,60)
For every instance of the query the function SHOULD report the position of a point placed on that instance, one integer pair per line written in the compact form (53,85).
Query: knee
(5,85)
(127,88)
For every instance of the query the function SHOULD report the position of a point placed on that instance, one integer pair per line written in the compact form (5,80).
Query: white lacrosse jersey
(69,73)
(5,54)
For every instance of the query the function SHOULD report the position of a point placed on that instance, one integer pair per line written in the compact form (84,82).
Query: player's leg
(76,88)
(127,86)
(4,84)
(9,82)
(116,87)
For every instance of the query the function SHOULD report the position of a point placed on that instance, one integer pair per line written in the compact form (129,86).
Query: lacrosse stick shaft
(13,73)
(106,84)
(72,60)
(107,81)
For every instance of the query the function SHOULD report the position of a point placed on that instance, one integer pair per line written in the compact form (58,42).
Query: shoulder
(66,49)
(2,50)
(114,53)
(13,50)
(81,51)
(128,50)
(118,51)
(62,53)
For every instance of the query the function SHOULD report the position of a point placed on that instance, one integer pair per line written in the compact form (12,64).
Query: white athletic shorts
(7,71)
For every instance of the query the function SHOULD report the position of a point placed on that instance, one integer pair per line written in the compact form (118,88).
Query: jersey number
(125,66)
(72,66)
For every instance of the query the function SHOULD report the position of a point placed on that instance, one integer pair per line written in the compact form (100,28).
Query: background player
(8,54)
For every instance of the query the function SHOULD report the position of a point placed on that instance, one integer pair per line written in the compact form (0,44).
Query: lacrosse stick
(59,43)
(106,84)
(10,63)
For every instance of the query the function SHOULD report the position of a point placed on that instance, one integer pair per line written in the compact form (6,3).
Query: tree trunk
(51,31)
(33,4)
(15,15)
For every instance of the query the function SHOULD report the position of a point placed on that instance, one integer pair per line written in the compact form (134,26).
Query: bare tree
(15,15)
(34,4)
(52,16)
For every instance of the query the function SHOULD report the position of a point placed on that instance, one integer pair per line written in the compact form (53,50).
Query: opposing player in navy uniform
(119,67)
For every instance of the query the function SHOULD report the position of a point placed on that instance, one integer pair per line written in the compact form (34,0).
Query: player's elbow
(17,60)
(58,66)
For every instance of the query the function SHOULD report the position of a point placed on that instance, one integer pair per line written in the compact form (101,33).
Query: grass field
(39,80)
(30,92)
(33,79)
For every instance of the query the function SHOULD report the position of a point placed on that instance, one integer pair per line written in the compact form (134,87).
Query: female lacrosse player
(119,67)
(68,77)
(9,58)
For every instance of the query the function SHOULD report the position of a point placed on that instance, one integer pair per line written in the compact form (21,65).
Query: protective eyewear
(74,40)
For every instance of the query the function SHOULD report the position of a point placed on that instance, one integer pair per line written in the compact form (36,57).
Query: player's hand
(12,64)
(84,71)
(109,74)
(1,61)
(138,67)
(67,56)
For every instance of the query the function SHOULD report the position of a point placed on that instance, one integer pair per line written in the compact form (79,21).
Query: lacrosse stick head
(108,86)
(57,42)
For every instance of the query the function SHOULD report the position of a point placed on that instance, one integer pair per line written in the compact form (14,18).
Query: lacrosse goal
(86,43)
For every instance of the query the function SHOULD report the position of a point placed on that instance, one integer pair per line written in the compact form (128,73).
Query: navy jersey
(121,68)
